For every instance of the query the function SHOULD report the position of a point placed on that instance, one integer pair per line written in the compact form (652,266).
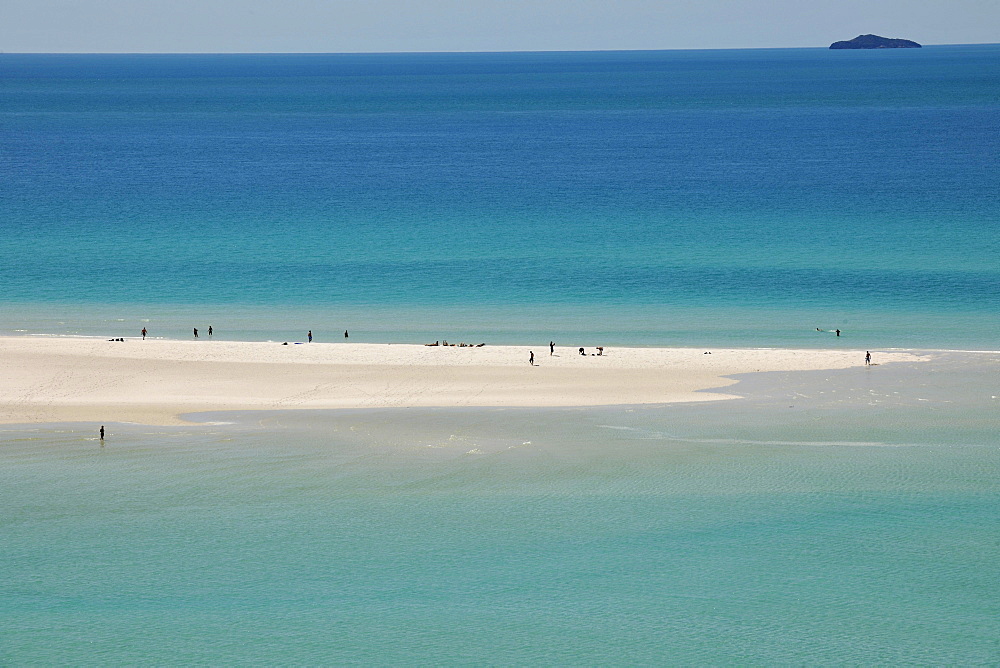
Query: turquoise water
(842,517)
(652,198)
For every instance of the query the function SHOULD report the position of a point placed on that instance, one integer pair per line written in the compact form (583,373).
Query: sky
(346,26)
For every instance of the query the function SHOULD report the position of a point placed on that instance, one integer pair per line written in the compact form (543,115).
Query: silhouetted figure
(531,357)
(582,351)
(310,336)
(345,333)
(868,357)
(196,332)
(552,347)
(210,330)
(143,333)
(838,332)
(102,432)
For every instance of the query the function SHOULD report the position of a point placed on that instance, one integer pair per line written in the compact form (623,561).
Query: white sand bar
(50,379)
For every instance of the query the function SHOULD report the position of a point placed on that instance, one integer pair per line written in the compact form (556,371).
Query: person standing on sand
(143,333)
(531,357)
(552,347)
(196,332)
(868,357)
(310,335)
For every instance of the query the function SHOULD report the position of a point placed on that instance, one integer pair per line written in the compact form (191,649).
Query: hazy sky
(199,26)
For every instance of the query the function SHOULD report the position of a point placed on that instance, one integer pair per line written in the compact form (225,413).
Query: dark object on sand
(875,42)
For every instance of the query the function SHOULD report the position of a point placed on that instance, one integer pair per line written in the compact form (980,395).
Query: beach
(60,379)
(728,483)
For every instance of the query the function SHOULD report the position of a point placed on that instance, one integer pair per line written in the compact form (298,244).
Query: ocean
(638,198)
(695,198)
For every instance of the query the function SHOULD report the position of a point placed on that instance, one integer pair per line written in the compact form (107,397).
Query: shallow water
(844,517)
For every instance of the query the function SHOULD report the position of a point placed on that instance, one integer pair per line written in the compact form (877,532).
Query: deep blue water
(853,188)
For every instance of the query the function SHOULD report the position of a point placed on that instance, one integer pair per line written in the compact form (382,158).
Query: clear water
(674,198)
(720,197)
(845,517)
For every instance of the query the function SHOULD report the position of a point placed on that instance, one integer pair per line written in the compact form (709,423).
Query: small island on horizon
(875,42)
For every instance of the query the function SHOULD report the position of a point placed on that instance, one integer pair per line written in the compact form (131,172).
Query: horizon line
(444,52)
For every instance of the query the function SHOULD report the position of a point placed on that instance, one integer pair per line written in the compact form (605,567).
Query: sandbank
(62,379)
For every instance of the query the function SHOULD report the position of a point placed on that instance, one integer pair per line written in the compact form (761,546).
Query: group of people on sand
(552,351)
(211,332)
(194,330)
(582,351)
(309,337)
(455,345)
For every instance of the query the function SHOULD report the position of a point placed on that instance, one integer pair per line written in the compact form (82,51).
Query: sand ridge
(63,379)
